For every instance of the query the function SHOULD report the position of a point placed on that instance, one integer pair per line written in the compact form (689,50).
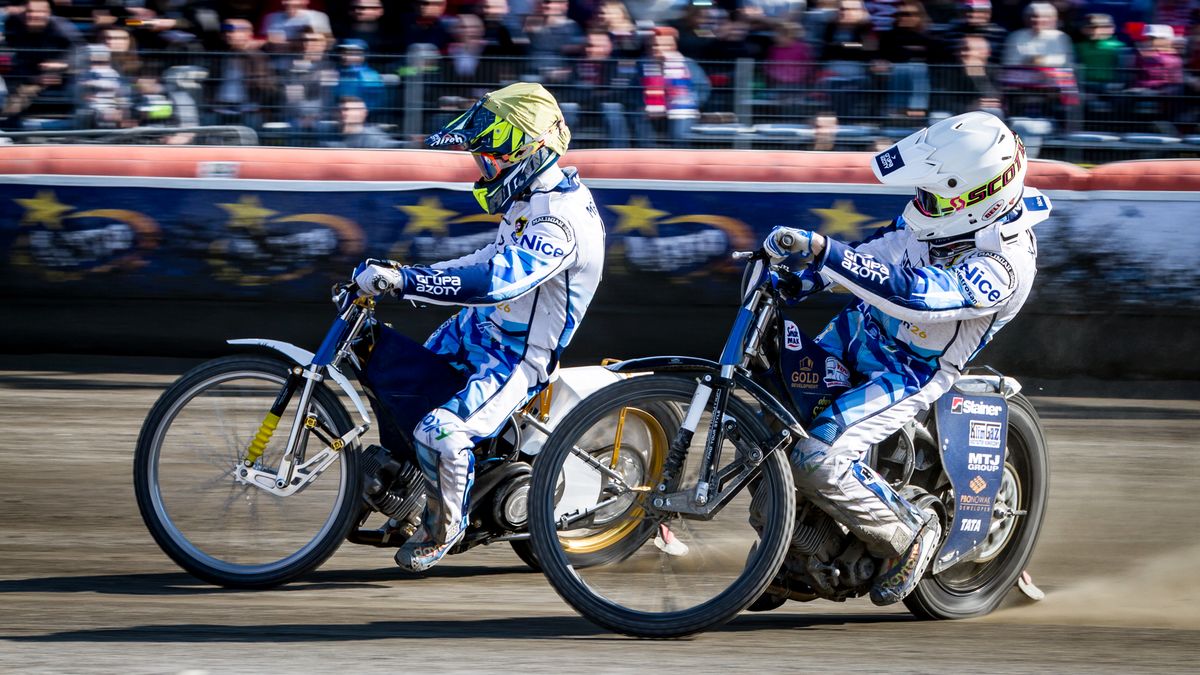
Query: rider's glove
(375,276)
(784,241)
(793,286)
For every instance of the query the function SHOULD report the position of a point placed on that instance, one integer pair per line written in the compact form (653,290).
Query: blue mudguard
(972,429)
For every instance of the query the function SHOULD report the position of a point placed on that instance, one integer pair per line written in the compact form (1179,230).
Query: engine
(393,487)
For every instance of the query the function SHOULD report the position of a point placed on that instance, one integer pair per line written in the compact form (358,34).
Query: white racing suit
(524,296)
(917,323)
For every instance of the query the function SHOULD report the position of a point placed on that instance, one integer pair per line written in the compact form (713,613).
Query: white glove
(379,276)
(784,241)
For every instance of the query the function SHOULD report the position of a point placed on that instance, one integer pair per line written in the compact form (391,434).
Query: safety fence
(614,101)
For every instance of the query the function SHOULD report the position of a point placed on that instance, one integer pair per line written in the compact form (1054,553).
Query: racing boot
(900,576)
(448,480)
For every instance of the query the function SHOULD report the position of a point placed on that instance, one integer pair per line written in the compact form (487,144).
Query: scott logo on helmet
(994,185)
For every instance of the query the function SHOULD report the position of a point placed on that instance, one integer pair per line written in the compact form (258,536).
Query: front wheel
(219,529)
(976,587)
(648,570)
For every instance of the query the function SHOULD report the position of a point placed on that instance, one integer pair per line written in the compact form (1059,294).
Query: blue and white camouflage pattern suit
(918,320)
(524,295)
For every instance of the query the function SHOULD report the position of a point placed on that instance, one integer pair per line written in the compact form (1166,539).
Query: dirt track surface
(83,588)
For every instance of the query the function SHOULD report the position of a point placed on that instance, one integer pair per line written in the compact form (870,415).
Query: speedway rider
(933,287)
(523,295)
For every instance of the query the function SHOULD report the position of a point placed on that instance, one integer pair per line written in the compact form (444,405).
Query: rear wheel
(221,530)
(976,587)
(646,570)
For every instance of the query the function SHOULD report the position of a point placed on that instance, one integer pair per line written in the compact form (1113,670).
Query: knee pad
(441,431)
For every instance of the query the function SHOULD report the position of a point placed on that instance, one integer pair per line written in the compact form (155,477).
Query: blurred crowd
(630,72)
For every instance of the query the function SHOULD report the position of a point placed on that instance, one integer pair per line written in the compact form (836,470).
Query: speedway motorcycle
(730,530)
(249,471)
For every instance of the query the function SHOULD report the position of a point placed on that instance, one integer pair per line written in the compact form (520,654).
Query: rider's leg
(829,471)
(502,383)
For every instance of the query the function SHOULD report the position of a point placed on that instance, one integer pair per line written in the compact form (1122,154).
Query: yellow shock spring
(265,430)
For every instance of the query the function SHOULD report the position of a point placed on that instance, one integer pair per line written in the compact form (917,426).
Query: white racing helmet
(969,171)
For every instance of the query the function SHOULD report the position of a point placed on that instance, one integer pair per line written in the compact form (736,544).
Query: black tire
(763,562)
(972,589)
(524,550)
(177,545)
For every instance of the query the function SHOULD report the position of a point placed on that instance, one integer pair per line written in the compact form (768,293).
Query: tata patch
(889,160)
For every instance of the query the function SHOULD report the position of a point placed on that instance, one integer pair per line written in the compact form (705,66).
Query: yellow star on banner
(427,216)
(638,216)
(44,209)
(248,212)
(841,218)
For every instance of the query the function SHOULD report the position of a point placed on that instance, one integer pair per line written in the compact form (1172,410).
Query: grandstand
(1087,81)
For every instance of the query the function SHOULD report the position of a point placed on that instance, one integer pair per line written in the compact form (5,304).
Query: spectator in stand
(1039,64)
(309,84)
(243,84)
(673,88)
(696,29)
(1101,57)
(848,45)
(285,29)
(612,18)
(777,10)
(355,78)
(905,53)
(428,27)
(464,55)
(976,19)
(122,50)
(604,87)
(104,96)
(499,39)
(41,43)
(552,36)
(790,60)
(732,43)
(849,42)
(1042,44)
(354,132)
(1158,69)
(366,24)
(970,85)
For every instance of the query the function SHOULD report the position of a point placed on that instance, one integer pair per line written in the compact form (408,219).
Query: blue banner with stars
(101,237)
(164,242)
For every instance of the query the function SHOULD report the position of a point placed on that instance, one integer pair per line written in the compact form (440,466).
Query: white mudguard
(303,357)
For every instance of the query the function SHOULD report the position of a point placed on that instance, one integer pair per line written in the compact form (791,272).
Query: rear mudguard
(303,357)
(691,364)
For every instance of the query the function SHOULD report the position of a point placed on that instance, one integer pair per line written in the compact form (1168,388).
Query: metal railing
(618,102)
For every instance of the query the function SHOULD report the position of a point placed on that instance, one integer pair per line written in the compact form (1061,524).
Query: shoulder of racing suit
(532,248)
(976,285)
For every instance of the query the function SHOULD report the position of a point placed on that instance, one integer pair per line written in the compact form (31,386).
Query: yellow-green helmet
(514,134)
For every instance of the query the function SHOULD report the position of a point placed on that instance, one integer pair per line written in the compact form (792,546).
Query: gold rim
(633,518)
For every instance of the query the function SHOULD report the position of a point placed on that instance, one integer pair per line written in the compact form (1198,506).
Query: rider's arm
(544,247)
(974,287)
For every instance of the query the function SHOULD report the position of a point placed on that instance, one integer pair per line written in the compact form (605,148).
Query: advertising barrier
(82,225)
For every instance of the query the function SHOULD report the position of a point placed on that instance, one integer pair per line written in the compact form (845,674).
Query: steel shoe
(422,551)
(901,575)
